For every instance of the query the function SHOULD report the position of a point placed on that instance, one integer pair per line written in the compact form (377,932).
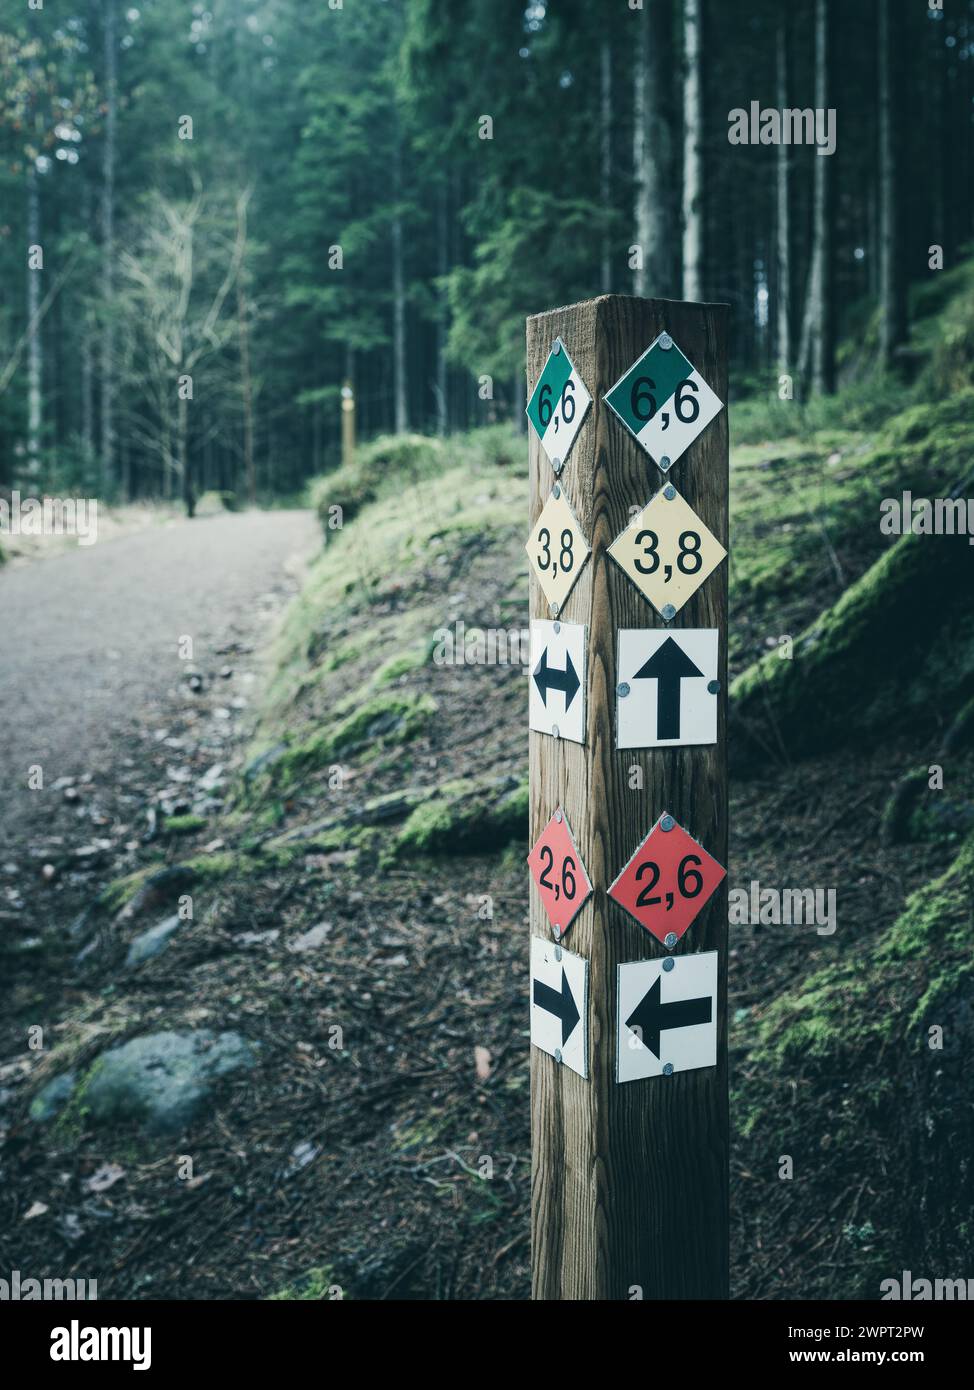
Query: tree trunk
(605,159)
(892,307)
(246,391)
(783,228)
(442,268)
(35,359)
(182,456)
(398,303)
(657,229)
(818,334)
(109,12)
(692,152)
(87,431)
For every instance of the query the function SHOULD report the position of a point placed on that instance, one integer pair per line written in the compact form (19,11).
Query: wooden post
(348,425)
(630,1181)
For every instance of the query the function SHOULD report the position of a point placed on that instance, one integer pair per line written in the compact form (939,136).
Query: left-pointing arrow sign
(560,1003)
(651,1017)
(666,1020)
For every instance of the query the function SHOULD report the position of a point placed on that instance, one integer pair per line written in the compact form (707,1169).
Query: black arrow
(651,1018)
(562,1005)
(550,678)
(669,666)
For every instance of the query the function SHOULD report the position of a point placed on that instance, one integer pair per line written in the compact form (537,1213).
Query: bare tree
(179,332)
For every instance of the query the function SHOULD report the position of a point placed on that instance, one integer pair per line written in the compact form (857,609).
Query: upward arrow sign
(668,666)
(651,1017)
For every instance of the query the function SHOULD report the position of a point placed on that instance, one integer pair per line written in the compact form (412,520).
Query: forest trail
(92,639)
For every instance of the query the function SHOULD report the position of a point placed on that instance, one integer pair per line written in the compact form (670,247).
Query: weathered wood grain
(629,1182)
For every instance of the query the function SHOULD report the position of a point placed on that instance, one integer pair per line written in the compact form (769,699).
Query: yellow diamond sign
(667,552)
(557,549)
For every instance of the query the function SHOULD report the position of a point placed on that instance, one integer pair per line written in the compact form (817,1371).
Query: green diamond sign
(558,405)
(664,401)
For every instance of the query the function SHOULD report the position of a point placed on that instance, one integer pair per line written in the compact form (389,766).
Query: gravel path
(91,638)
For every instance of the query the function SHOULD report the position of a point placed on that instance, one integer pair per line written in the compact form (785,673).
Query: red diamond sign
(559,873)
(667,881)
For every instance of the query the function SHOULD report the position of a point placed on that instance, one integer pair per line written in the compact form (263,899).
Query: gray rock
(311,939)
(149,943)
(53,1097)
(162,1079)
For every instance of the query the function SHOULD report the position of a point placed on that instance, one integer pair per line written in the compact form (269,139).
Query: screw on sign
(664,401)
(668,880)
(558,872)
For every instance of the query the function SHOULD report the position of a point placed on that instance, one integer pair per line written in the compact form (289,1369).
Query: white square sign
(667,687)
(559,1004)
(556,700)
(667,1016)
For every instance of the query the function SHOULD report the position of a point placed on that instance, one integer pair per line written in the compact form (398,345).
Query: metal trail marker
(630,1181)
(667,552)
(668,687)
(667,1017)
(664,401)
(558,405)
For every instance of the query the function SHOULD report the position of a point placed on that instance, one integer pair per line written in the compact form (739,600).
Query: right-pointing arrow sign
(667,1016)
(560,1003)
(668,666)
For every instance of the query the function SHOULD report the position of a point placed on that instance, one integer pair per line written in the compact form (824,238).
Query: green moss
(315,1286)
(924,959)
(121,890)
(210,867)
(386,718)
(72,1121)
(875,661)
(386,462)
(183,825)
(398,666)
(464,817)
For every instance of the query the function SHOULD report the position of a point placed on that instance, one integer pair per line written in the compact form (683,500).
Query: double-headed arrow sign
(549,678)
(652,1017)
(561,1003)
(668,667)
